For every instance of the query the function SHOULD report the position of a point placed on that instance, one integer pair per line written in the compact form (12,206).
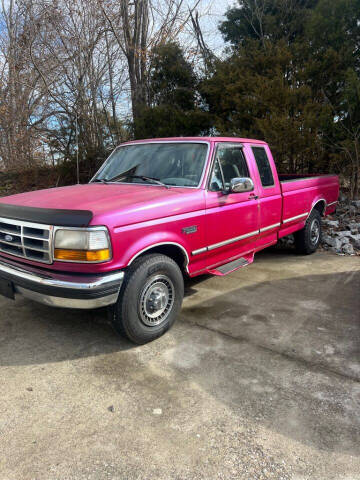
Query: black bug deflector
(48,216)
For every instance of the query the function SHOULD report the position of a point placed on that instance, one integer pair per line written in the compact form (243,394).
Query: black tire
(151,278)
(308,239)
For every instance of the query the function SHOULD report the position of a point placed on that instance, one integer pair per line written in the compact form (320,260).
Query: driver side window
(229,163)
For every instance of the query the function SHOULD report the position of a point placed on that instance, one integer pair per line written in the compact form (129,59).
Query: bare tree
(208,57)
(85,79)
(22,95)
(138,27)
(74,73)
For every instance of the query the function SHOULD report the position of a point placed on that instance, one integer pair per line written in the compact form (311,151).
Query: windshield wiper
(149,179)
(101,180)
(141,177)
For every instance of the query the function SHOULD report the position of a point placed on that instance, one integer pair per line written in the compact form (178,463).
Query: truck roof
(204,139)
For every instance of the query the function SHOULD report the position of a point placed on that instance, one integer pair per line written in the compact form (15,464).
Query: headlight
(91,245)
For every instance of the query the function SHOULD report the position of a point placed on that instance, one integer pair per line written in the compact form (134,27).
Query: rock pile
(341,230)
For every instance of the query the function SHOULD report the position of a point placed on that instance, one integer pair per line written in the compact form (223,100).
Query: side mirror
(244,184)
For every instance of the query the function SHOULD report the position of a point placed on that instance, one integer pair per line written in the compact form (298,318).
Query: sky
(209,23)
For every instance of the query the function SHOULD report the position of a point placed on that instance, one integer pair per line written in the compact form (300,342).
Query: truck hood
(111,204)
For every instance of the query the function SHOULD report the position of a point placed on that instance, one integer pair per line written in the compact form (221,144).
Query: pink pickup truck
(156,211)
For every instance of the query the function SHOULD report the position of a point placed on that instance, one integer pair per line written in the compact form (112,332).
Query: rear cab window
(264,167)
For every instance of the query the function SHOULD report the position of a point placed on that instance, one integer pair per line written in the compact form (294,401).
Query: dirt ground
(258,379)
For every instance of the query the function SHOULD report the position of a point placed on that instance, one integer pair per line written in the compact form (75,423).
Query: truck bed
(289,177)
(302,192)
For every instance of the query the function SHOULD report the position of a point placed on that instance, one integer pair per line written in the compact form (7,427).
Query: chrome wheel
(156,300)
(315,231)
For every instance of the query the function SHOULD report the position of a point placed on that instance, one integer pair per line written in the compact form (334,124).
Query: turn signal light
(82,255)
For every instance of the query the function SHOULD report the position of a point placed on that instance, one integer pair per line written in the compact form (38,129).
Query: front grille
(25,239)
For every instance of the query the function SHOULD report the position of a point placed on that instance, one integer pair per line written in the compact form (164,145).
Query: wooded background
(78,77)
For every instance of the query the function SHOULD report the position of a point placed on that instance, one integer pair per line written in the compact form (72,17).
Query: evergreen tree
(270,20)
(292,78)
(174,108)
(333,71)
(256,93)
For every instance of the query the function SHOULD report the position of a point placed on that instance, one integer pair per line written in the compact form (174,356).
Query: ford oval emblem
(9,238)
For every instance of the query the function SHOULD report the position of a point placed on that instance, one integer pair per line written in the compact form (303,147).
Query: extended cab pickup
(156,211)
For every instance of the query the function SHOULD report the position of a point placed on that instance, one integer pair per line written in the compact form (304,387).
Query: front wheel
(307,240)
(150,298)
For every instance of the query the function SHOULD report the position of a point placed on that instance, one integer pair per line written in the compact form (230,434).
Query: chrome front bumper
(70,290)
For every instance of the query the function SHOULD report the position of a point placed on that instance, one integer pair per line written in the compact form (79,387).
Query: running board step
(232,266)
(229,267)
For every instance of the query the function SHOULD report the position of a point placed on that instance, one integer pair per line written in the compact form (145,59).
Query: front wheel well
(170,250)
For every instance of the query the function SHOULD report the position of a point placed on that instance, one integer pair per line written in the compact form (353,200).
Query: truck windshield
(178,164)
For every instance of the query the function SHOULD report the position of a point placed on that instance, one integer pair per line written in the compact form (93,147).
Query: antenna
(77,151)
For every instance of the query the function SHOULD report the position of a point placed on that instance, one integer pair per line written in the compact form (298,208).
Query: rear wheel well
(320,207)
(172,251)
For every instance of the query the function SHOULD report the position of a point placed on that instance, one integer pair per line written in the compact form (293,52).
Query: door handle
(252,196)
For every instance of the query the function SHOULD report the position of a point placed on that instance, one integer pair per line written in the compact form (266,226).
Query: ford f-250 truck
(156,211)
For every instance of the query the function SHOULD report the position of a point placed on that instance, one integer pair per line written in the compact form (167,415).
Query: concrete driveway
(259,379)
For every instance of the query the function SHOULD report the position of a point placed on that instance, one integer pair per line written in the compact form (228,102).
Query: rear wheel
(150,298)
(307,240)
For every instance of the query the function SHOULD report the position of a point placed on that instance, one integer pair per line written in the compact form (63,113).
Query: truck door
(269,193)
(232,219)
